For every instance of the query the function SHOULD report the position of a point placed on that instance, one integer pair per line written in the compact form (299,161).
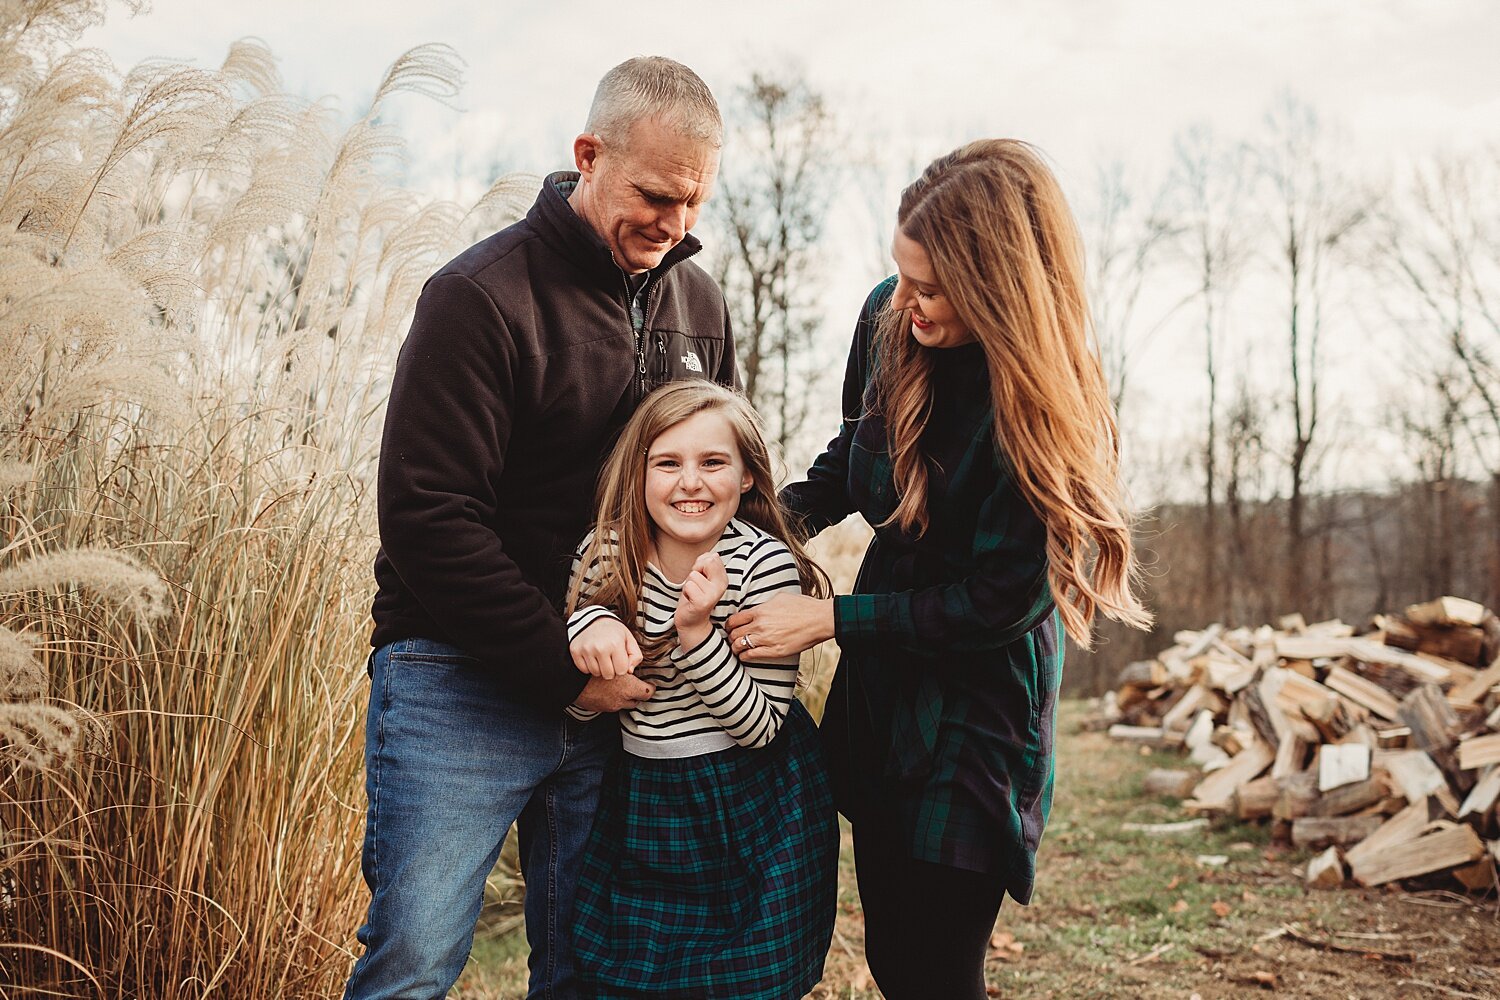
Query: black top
(940,720)
(521,367)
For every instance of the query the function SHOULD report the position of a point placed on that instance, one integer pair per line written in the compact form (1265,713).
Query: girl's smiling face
(694,478)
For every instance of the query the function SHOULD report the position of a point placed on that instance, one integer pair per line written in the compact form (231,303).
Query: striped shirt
(706,700)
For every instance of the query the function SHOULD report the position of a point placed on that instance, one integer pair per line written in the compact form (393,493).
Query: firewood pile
(1382,750)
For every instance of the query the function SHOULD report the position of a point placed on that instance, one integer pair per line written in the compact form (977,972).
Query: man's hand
(705,584)
(625,691)
(606,649)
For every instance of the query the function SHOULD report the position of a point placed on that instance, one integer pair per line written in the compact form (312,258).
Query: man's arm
(447,430)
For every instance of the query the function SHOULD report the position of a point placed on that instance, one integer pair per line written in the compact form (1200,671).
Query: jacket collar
(554,219)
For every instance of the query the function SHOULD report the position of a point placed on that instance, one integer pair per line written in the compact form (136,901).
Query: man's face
(644,195)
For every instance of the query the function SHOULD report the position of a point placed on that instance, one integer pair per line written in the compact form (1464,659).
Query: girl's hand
(781,627)
(606,649)
(701,591)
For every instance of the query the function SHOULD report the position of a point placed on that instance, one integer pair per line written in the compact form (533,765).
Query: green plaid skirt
(712,876)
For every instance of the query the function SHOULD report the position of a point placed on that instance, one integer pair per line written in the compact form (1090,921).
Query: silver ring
(749,642)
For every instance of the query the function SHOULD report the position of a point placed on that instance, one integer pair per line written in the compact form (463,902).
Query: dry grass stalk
(205,280)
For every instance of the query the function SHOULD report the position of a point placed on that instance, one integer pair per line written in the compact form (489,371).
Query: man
(527,354)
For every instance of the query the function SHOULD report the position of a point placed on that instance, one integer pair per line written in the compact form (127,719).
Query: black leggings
(927,926)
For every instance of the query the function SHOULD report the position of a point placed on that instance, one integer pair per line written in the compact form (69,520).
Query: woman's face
(934,321)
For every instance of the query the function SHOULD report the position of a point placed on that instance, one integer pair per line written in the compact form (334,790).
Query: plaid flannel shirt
(951,646)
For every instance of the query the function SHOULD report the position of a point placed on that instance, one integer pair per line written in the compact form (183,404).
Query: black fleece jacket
(521,367)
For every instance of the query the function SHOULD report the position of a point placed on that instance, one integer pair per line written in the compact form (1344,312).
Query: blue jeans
(450,763)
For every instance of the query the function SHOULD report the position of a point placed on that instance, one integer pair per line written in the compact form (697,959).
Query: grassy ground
(1120,914)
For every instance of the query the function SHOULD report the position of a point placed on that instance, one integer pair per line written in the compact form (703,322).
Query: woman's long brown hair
(1006,253)
(613,566)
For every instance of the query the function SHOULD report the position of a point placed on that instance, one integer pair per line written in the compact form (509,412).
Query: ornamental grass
(203,282)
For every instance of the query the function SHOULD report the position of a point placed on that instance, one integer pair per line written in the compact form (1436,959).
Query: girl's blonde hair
(1006,253)
(613,565)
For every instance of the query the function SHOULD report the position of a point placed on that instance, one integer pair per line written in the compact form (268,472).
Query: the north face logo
(693,364)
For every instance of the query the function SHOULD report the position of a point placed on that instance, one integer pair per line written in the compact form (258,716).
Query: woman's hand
(701,592)
(781,627)
(606,649)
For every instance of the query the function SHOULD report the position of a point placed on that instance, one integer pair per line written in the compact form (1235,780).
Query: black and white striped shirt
(706,699)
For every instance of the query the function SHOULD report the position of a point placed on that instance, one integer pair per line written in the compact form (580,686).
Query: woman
(979,440)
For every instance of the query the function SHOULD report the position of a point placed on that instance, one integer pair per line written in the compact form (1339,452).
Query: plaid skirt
(712,876)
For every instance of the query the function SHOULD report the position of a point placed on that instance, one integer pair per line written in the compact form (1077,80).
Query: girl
(711,870)
(979,440)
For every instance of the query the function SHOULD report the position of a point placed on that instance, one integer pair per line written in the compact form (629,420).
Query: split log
(1227,675)
(1232,739)
(1406,825)
(1166,829)
(1483,795)
(1333,628)
(1479,752)
(1272,683)
(1326,871)
(1429,716)
(1150,736)
(1377,654)
(1413,773)
(1256,799)
(1461,643)
(1181,715)
(1342,765)
(1478,877)
(1317,832)
(1298,793)
(1253,706)
(1392,737)
(1310,647)
(1175,784)
(1475,688)
(1449,846)
(1363,692)
(1214,791)
(1199,731)
(1446,611)
(1291,756)
(1142,674)
(1350,798)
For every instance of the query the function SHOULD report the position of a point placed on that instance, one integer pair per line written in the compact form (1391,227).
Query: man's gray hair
(655,87)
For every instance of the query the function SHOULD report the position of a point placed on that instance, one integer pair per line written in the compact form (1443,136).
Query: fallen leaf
(1181,906)
(1005,946)
(1176,881)
(1266,979)
(1221,908)
(1248,897)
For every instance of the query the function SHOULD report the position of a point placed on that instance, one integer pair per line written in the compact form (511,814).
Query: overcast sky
(1086,80)
(1081,78)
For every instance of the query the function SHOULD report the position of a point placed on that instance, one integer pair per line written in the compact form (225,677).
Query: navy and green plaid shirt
(941,717)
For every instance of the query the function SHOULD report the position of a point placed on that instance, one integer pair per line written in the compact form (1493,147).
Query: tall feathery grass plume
(203,281)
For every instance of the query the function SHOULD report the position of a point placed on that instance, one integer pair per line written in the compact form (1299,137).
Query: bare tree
(1125,241)
(1210,182)
(1313,212)
(1439,249)
(773,199)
